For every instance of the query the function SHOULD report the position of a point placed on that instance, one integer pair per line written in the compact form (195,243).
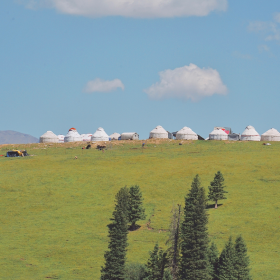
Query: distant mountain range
(14,137)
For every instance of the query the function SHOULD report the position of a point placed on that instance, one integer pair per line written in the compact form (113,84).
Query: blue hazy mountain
(14,137)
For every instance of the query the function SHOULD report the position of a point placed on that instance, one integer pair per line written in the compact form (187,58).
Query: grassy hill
(54,208)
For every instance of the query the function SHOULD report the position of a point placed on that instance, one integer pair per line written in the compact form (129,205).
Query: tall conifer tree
(157,264)
(115,257)
(174,240)
(136,211)
(193,263)
(216,189)
(242,260)
(213,258)
(227,263)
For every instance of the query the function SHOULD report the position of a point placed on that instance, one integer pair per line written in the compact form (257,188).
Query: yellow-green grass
(54,208)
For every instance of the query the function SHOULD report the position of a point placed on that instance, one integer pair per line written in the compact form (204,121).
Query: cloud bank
(135,8)
(188,82)
(99,85)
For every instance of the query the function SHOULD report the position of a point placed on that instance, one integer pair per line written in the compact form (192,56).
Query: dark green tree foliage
(135,271)
(216,189)
(227,261)
(157,264)
(136,211)
(167,275)
(115,257)
(213,258)
(242,260)
(193,263)
(174,240)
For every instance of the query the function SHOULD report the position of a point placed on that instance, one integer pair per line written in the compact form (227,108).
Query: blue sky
(74,63)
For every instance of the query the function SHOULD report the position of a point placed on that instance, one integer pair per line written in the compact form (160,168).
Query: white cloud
(98,85)
(187,82)
(241,55)
(137,8)
(270,30)
(263,48)
(277,17)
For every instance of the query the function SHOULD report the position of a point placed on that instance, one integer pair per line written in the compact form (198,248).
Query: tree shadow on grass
(212,206)
(134,228)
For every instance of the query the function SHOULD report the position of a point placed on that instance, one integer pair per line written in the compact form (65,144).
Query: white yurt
(115,136)
(72,136)
(271,135)
(218,134)
(49,137)
(158,132)
(250,134)
(186,133)
(130,136)
(61,138)
(100,135)
(86,137)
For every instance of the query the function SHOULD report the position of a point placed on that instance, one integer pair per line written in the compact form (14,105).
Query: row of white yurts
(74,136)
(249,134)
(185,133)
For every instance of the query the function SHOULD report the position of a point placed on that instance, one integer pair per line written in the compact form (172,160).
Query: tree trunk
(216,204)
(176,244)
(133,226)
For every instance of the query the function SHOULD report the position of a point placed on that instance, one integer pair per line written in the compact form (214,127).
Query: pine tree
(174,240)
(216,189)
(242,260)
(227,262)
(193,263)
(167,275)
(157,264)
(136,211)
(135,271)
(115,257)
(213,258)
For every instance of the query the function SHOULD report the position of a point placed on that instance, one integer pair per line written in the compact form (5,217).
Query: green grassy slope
(54,209)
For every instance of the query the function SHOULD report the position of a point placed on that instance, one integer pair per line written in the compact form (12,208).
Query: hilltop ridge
(14,137)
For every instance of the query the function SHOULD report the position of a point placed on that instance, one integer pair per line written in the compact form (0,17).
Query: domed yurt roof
(159,132)
(100,135)
(218,134)
(72,136)
(271,135)
(49,137)
(115,136)
(250,134)
(186,133)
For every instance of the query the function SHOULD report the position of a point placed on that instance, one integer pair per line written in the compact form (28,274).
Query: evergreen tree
(157,264)
(193,263)
(242,260)
(174,240)
(115,257)
(227,262)
(135,271)
(213,258)
(136,211)
(216,189)
(167,275)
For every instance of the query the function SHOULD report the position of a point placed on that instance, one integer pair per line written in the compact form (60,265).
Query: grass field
(54,209)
